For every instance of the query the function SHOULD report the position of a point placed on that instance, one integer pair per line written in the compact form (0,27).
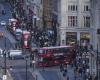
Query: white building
(75,21)
(95,12)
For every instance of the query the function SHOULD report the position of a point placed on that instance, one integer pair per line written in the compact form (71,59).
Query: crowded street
(33,45)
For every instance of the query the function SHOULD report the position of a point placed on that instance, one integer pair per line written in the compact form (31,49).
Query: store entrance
(84,38)
(71,38)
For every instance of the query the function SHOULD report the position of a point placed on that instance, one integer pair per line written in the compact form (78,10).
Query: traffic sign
(4,77)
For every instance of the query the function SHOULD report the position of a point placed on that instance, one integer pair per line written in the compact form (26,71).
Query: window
(86,8)
(86,21)
(72,7)
(72,21)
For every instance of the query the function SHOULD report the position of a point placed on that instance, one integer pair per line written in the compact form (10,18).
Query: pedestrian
(64,74)
(90,77)
(65,70)
(3,12)
(61,68)
(30,64)
(10,67)
(67,77)
(80,71)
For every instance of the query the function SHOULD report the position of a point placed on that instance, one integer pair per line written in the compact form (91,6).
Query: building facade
(95,13)
(75,26)
(47,13)
(34,12)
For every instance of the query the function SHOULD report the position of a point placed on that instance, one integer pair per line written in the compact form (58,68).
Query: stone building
(95,15)
(74,22)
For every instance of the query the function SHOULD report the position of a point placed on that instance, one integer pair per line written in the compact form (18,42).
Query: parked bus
(53,56)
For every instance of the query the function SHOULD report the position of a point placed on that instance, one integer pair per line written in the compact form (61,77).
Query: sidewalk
(70,73)
(1,73)
(8,75)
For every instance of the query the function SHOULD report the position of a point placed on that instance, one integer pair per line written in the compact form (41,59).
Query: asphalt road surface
(20,74)
(50,75)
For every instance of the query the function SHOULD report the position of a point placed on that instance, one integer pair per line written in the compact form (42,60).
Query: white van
(15,54)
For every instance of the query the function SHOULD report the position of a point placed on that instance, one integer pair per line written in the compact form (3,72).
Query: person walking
(67,77)
(61,68)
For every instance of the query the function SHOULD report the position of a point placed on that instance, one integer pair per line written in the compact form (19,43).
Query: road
(18,71)
(8,42)
(21,74)
(50,75)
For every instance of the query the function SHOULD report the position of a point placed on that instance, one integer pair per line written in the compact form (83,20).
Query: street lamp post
(97,64)
(26,67)
(5,71)
(5,65)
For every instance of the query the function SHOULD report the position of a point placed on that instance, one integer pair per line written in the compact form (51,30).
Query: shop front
(71,38)
(84,38)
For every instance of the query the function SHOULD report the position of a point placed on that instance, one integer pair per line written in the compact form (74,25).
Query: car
(3,23)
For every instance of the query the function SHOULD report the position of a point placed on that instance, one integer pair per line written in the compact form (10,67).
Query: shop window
(71,38)
(85,37)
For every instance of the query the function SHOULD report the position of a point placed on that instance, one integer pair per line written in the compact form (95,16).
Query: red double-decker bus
(26,36)
(53,56)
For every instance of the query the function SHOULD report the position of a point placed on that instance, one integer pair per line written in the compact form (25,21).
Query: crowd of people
(43,38)
(78,72)
(80,65)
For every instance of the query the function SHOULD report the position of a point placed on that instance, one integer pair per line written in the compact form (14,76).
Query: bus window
(41,51)
(47,59)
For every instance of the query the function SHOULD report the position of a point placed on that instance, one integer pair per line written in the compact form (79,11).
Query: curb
(9,76)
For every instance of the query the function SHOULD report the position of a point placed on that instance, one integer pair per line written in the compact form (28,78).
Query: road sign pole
(26,69)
